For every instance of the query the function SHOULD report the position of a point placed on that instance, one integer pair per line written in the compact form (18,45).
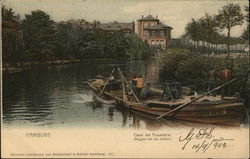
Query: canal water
(57,96)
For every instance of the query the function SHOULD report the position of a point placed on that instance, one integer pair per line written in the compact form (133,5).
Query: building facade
(113,27)
(152,31)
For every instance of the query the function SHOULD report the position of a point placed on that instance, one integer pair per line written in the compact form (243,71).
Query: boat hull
(226,113)
(226,116)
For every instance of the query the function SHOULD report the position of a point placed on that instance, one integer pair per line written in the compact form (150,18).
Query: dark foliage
(38,38)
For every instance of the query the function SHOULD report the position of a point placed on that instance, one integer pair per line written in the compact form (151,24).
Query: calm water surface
(56,96)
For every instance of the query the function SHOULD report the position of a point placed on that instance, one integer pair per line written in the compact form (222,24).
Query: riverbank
(20,66)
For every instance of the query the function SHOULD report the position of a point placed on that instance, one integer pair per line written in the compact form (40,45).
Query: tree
(229,16)
(138,49)
(12,35)
(114,44)
(39,31)
(73,42)
(202,29)
(209,27)
(245,34)
(193,30)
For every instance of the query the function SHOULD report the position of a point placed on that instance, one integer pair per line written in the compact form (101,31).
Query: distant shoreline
(19,66)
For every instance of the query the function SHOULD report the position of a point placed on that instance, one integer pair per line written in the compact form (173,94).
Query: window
(152,42)
(152,24)
(145,33)
(162,34)
(145,24)
(161,42)
(153,33)
(157,42)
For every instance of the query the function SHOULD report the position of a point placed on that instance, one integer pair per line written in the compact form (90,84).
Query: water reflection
(57,96)
(125,118)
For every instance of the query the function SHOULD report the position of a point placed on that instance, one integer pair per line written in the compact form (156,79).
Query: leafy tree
(39,38)
(209,27)
(229,16)
(245,34)
(193,30)
(73,42)
(114,45)
(12,35)
(203,29)
(39,31)
(137,48)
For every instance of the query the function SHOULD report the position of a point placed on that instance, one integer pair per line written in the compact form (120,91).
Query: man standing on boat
(226,75)
(139,85)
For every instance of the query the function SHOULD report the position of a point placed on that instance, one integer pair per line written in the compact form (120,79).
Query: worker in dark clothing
(211,82)
(147,92)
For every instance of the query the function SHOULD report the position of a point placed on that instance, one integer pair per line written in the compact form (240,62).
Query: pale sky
(176,13)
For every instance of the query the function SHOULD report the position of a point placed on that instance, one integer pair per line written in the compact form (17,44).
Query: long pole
(123,87)
(128,85)
(186,104)
(107,82)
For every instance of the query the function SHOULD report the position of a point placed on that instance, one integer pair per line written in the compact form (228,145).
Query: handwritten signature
(202,140)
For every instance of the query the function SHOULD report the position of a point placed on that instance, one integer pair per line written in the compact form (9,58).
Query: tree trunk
(228,42)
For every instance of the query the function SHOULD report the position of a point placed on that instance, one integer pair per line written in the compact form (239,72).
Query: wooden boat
(226,114)
(209,109)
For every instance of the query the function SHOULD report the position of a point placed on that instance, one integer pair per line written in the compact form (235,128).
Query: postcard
(125,79)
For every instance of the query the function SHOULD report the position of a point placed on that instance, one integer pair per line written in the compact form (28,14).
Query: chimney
(141,16)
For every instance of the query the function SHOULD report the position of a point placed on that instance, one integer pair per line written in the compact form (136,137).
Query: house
(114,27)
(152,31)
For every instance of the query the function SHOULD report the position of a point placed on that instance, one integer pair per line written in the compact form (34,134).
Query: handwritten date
(202,140)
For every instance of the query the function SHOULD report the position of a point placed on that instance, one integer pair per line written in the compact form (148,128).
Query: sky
(176,13)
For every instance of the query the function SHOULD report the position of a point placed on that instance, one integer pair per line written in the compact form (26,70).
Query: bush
(184,66)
